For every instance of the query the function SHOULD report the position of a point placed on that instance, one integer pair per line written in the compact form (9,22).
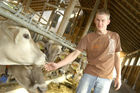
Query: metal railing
(16,14)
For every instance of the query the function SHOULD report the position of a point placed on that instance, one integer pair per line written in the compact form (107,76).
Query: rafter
(118,19)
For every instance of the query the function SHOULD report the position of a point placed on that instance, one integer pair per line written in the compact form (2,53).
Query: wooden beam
(124,27)
(74,24)
(105,4)
(39,10)
(126,16)
(41,4)
(127,21)
(125,41)
(44,7)
(78,27)
(119,20)
(41,7)
(66,17)
(134,52)
(83,8)
(50,19)
(38,4)
(137,1)
(28,3)
(124,35)
(38,1)
(130,5)
(54,6)
(90,20)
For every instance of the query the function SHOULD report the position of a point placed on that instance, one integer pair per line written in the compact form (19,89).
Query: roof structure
(125,16)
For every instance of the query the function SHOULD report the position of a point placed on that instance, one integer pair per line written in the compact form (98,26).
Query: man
(102,48)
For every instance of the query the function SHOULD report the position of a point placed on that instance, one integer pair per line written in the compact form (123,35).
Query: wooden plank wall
(131,72)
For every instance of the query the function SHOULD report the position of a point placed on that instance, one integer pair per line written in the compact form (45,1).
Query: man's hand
(117,84)
(51,66)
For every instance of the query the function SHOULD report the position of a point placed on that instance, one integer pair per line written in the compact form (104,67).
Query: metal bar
(6,13)
(54,6)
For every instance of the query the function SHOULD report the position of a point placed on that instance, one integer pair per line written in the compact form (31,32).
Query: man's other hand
(117,84)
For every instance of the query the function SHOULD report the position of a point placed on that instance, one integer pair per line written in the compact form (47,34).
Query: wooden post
(44,7)
(66,17)
(27,5)
(74,24)
(105,4)
(91,17)
(77,29)
(50,19)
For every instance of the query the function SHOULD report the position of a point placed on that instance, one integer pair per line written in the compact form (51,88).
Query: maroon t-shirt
(100,49)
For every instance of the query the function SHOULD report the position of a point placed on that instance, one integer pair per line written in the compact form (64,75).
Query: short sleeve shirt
(100,51)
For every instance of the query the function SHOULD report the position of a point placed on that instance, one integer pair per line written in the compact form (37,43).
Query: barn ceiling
(125,17)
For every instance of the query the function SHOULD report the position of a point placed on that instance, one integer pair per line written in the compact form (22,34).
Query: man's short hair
(103,11)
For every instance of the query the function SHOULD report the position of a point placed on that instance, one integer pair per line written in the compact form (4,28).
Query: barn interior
(66,22)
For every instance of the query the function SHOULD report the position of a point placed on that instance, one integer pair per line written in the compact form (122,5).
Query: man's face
(101,21)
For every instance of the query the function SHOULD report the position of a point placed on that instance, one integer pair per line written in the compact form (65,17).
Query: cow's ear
(15,31)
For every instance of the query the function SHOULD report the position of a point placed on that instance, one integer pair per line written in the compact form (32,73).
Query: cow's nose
(40,60)
(43,56)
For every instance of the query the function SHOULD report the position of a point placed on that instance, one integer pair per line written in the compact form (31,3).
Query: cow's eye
(26,36)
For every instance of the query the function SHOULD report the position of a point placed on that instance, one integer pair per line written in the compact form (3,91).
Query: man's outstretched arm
(70,58)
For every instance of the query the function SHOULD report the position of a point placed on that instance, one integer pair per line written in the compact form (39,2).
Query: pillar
(66,17)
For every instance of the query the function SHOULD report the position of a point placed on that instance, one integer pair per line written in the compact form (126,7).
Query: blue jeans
(88,82)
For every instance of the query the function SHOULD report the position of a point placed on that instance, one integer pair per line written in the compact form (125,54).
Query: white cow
(23,57)
(17,46)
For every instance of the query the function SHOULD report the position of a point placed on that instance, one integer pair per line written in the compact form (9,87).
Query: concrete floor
(124,89)
(9,89)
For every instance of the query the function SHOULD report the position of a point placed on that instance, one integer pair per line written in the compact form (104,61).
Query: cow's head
(53,49)
(17,45)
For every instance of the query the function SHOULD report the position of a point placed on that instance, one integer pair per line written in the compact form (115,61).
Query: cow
(23,58)
(53,49)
